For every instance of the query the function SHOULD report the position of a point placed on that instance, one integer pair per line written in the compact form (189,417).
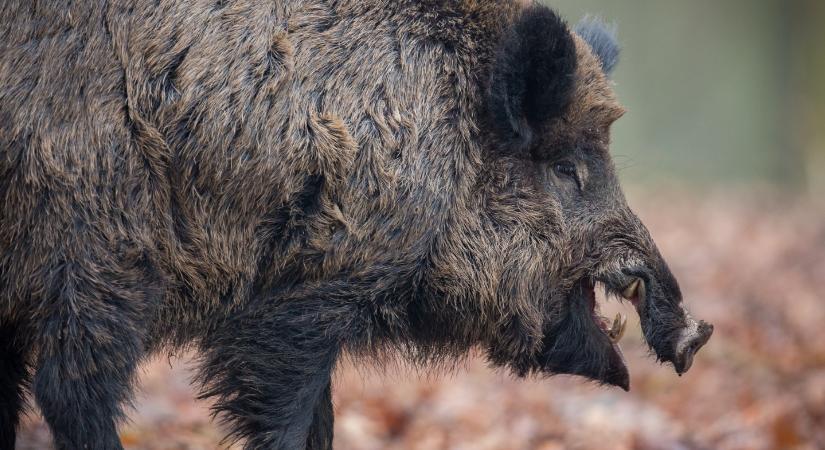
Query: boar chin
(581,343)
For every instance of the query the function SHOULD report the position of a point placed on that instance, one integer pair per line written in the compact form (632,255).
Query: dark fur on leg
(81,408)
(13,375)
(269,368)
(321,432)
(89,345)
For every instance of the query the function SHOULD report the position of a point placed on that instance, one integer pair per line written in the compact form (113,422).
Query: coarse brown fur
(278,182)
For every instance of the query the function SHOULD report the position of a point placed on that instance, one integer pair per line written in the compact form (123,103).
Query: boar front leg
(320,434)
(269,368)
(89,345)
(12,378)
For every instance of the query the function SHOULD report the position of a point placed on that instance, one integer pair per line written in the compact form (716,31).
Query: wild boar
(277,183)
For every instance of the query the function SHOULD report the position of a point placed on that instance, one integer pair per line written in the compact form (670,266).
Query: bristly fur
(602,40)
(532,77)
(276,184)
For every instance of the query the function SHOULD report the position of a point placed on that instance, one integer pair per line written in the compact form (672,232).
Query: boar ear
(602,40)
(532,76)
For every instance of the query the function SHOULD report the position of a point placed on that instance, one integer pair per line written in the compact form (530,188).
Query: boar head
(553,222)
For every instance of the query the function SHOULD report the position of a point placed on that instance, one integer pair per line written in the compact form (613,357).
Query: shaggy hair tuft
(602,40)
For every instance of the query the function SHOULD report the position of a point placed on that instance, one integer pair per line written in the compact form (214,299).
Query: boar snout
(693,337)
(669,329)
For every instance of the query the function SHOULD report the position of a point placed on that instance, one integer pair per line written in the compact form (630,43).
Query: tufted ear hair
(602,40)
(533,75)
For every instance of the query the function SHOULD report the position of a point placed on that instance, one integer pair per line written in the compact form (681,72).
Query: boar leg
(83,404)
(269,369)
(89,347)
(12,378)
(320,434)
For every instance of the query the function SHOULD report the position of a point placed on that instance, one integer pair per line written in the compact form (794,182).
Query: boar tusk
(632,291)
(617,330)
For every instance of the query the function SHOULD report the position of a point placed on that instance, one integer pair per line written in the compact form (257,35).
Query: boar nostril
(691,342)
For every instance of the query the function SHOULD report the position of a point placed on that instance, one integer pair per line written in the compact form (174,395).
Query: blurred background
(722,154)
(719,93)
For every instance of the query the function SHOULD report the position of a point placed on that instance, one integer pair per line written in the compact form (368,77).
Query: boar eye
(567,169)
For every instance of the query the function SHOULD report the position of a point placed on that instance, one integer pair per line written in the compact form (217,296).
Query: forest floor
(754,267)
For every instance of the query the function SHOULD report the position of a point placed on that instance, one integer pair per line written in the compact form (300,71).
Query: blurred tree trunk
(807,88)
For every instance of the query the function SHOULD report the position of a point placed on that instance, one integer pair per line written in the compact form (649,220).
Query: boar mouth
(613,330)
(584,343)
(587,344)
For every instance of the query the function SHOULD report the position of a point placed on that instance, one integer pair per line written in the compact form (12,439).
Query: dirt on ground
(753,265)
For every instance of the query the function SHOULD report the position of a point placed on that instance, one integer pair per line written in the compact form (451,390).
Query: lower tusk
(617,330)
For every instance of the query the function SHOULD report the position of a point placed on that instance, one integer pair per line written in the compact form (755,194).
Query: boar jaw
(581,343)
